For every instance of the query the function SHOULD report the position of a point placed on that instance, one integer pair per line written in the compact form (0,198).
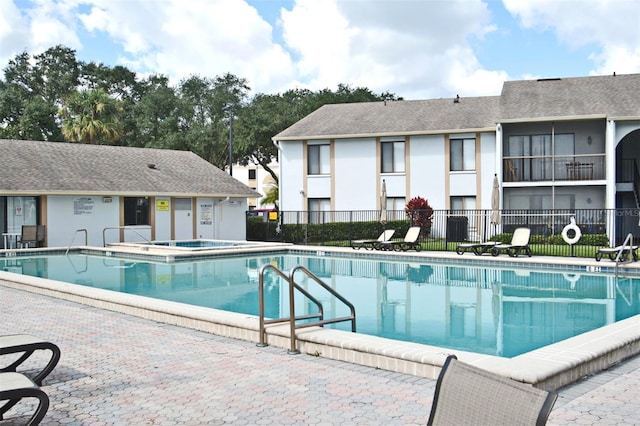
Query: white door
(183,219)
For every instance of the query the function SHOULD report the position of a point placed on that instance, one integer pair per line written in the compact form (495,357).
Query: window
(252,174)
(463,154)
(136,211)
(316,208)
(395,208)
(463,203)
(392,157)
(319,156)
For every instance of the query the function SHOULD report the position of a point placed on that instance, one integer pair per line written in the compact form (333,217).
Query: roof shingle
(73,168)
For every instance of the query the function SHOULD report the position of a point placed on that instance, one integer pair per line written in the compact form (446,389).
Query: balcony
(554,168)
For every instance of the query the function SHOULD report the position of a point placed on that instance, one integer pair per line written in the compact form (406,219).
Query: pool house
(82,194)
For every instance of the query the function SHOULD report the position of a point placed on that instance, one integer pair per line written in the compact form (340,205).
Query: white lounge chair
(477,248)
(626,253)
(410,241)
(372,244)
(519,244)
(15,387)
(26,345)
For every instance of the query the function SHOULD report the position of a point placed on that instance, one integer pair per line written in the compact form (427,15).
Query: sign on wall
(83,205)
(206,214)
(162,205)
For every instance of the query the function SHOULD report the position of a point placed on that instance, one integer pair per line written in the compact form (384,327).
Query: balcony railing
(555,168)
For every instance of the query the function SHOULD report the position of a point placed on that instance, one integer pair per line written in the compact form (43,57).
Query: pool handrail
(626,245)
(86,239)
(126,227)
(334,293)
(292,317)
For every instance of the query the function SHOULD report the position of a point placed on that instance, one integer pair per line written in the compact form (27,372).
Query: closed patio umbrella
(383,203)
(495,202)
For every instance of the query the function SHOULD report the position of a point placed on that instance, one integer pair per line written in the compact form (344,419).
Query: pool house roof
(34,167)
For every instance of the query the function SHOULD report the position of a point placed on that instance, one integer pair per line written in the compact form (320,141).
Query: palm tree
(91,116)
(272,196)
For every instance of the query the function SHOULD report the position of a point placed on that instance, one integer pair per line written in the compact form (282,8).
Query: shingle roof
(395,118)
(610,96)
(73,168)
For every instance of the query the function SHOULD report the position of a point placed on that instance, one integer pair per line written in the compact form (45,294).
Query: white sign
(206,214)
(83,206)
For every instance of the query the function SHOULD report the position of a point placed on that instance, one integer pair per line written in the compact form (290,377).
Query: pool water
(503,312)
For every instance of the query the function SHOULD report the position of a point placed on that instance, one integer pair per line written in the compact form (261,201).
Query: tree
(272,196)
(32,92)
(155,115)
(420,213)
(91,116)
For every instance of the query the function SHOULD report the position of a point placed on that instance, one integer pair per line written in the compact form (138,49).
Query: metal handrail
(104,240)
(86,239)
(292,316)
(334,293)
(627,245)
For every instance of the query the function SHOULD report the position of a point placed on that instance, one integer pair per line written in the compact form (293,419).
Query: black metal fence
(448,228)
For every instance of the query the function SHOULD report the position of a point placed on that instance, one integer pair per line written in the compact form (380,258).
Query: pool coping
(550,367)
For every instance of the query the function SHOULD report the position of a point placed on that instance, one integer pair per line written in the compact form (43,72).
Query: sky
(416,49)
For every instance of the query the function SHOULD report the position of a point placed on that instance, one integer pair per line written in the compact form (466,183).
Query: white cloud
(414,48)
(406,47)
(611,27)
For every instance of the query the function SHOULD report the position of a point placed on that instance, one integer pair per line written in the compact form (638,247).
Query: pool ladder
(292,318)
(628,242)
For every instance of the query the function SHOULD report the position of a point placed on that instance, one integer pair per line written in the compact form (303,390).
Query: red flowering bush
(420,213)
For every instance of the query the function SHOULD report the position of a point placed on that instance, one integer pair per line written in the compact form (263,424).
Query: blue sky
(416,49)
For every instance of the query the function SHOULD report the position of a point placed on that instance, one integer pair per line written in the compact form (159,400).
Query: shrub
(419,212)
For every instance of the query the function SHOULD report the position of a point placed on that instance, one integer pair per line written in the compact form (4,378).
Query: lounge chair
(467,395)
(519,244)
(372,244)
(16,386)
(476,248)
(27,345)
(410,241)
(612,252)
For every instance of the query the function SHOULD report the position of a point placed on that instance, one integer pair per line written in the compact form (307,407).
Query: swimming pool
(495,311)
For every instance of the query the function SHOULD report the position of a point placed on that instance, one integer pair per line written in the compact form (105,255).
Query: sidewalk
(122,370)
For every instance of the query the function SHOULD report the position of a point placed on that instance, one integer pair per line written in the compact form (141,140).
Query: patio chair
(410,241)
(16,386)
(26,345)
(476,248)
(372,244)
(626,253)
(467,395)
(32,234)
(519,244)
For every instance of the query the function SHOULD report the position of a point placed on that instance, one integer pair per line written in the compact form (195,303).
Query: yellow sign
(162,205)
(273,215)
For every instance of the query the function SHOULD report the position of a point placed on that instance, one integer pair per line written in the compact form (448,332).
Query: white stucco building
(570,143)
(116,194)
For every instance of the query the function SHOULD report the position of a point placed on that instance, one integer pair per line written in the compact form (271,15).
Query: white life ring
(576,230)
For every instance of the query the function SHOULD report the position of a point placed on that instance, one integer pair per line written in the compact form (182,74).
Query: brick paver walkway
(121,370)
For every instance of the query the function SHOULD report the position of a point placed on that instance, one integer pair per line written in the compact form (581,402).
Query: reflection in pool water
(497,311)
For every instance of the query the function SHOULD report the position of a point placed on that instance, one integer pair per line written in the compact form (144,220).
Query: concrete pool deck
(118,369)
(549,367)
